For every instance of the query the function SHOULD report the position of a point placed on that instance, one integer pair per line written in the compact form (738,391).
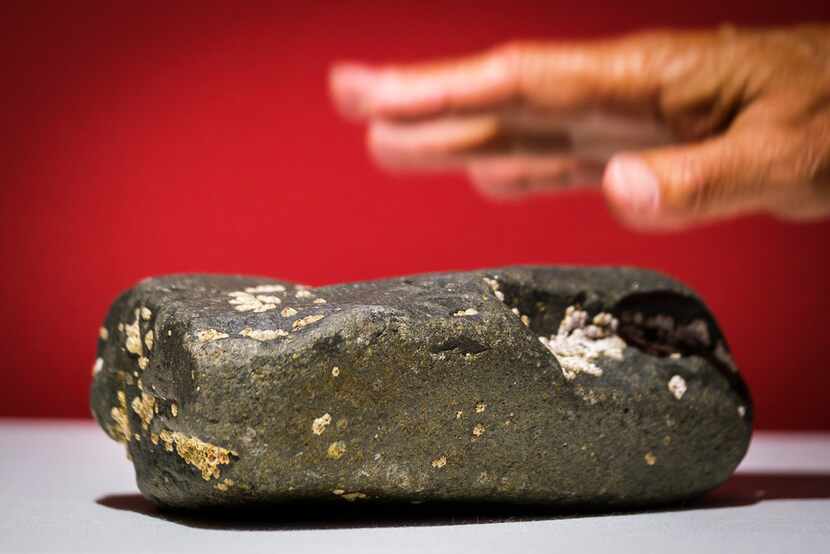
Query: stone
(555,386)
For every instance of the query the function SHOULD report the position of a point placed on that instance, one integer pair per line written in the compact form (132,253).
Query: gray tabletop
(66,487)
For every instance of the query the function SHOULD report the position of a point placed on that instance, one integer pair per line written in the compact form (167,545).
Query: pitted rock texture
(559,386)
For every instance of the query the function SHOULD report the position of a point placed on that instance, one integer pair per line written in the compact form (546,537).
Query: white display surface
(66,487)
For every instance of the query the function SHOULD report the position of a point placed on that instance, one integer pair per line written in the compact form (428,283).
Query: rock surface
(537,385)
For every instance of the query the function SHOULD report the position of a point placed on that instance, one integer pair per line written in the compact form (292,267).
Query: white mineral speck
(319,425)
(677,386)
(467,312)
(265,289)
(246,302)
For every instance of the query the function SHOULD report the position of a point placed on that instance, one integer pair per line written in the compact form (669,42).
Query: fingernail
(351,85)
(633,184)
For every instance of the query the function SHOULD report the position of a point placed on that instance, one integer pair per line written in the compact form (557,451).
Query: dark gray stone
(432,388)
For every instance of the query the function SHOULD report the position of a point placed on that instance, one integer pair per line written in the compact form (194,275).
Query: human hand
(680,127)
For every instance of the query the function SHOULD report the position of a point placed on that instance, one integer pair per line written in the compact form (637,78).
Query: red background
(161,138)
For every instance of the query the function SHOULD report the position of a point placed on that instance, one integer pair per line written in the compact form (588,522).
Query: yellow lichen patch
(307,320)
(650,459)
(208,335)
(302,294)
(459,414)
(154,438)
(149,339)
(146,314)
(174,409)
(318,426)
(288,312)
(263,334)
(335,371)
(143,406)
(143,362)
(480,407)
(133,340)
(202,455)
(336,450)
(103,333)
(121,431)
(224,485)
(478,430)
(466,313)
(352,496)
(440,462)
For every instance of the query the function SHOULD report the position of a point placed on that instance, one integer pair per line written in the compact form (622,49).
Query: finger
(361,91)
(517,176)
(677,186)
(626,72)
(431,144)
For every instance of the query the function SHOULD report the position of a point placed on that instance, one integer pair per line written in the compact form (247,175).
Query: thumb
(677,186)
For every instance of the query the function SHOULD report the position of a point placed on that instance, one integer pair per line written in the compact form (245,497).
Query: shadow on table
(741,490)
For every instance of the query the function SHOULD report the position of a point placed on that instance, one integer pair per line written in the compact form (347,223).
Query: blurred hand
(680,127)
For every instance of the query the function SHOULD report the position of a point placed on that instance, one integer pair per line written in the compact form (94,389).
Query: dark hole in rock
(666,323)
(660,324)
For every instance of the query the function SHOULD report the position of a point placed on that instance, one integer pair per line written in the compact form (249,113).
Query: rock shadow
(740,490)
